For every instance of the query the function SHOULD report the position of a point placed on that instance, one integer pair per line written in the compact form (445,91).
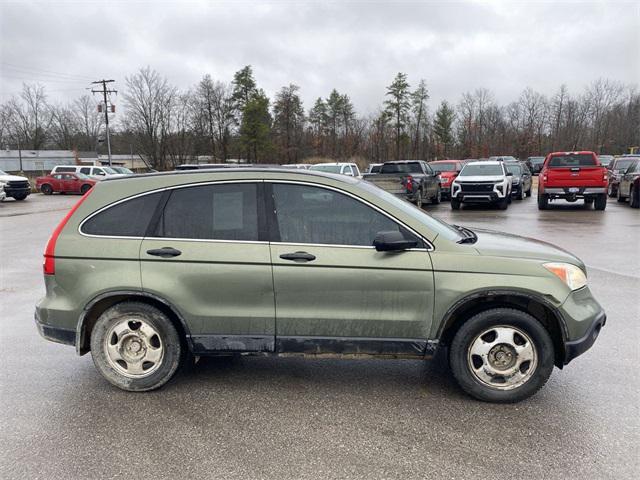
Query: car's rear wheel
(501,355)
(135,346)
(521,193)
(455,204)
(46,189)
(529,192)
(611,191)
(634,198)
(437,198)
(620,197)
(543,201)
(85,188)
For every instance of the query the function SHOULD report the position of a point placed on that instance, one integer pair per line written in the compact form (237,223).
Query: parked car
(123,170)
(146,272)
(343,168)
(65,183)
(2,194)
(605,159)
(521,182)
(15,186)
(448,171)
(572,176)
(482,182)
(413,180)
(95,172)
(628,183)
(616,169)
(374,168)
(535,164)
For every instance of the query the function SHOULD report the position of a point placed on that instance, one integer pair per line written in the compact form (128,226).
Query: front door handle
(165,252)
(298,257)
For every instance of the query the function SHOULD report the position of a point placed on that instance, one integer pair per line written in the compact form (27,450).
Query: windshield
(513,168)
(122,170)
(110,170)
(478,169)
(413,167)
(326,168)
(565,161)
(622,165)
(438,226)
(444,167)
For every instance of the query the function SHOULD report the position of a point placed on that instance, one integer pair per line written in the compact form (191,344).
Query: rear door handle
(165,252)
(298,257)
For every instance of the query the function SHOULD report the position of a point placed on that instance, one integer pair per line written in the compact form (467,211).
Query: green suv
(149,271)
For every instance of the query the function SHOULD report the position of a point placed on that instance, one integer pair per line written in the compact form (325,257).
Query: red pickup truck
(570,176)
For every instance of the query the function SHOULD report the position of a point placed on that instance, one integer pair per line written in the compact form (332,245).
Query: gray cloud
(356,47)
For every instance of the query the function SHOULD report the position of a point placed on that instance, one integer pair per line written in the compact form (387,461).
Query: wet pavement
(258,417)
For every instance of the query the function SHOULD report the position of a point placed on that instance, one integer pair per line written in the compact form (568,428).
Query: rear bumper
(564,191)
(54,334)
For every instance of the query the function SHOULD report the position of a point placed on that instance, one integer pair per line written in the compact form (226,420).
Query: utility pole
(104,92)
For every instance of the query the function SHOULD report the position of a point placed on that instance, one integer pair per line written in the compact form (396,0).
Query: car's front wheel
(501,355)
(634,200)
(135,346)
(455,204)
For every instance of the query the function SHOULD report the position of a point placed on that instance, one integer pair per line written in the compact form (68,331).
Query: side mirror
(392,241)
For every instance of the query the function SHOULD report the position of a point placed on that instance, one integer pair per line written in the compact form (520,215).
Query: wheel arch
(102,302)
(533,304)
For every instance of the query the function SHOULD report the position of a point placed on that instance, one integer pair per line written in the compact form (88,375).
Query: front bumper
(16,191)
(574,348)
(54,334)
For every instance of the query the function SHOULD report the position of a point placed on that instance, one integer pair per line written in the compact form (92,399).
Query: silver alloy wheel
(134,348)
(502,357)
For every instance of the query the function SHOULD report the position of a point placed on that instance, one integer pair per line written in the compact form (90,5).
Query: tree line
(238,120)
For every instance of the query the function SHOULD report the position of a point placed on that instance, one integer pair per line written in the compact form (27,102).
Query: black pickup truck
(413,180)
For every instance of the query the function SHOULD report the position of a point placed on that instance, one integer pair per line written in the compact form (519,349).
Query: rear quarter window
(129,218)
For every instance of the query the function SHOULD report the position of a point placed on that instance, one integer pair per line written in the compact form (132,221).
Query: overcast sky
(356,47)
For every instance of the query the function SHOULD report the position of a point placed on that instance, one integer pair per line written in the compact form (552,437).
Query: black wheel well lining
(100,304)
(546,314)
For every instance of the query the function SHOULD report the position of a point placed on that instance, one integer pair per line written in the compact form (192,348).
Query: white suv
(95,172)
(482,182)
(349,169)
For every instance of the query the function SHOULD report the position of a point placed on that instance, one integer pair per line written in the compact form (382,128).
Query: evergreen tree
(398,106)
(318,120)
(255,129)
(443,126)
(419,102)
(288,122)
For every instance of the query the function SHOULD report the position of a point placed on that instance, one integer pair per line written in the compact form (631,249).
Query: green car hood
(499,244)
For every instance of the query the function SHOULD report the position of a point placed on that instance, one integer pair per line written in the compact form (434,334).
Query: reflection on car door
(333,291)
(215,266)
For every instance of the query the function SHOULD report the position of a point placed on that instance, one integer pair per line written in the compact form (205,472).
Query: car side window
(85,170)
(98,171)
(212,212)
(67,176)
(126,219)
(427,169)
(316,215)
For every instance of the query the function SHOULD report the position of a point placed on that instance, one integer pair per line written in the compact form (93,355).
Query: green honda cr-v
(149,271)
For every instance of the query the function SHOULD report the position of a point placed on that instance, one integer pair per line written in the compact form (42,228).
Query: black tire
(634,198)
(600,203)
(619,196)
(166,331)
(504,203)
(419,199)
(543,202)
(46,189)
(437,198)
(461,363)
(84,189)
(611,191)
(455,204)
(521,194)
(529,192)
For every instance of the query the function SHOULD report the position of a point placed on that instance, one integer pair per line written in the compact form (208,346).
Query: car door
(334,293)
(431,179)
(207,255)
(68,182)
(56,182)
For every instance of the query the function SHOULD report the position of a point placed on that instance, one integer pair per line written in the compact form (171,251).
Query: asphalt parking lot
(258,417)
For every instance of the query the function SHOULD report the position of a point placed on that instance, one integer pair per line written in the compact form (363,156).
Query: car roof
(446,161)
(240,171)
(333,163)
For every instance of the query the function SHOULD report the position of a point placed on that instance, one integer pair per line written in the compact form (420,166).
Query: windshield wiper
(468,235)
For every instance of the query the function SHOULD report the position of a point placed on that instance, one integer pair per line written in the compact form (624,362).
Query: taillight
(544,177)
(605,176)
(409,183)
(49,264)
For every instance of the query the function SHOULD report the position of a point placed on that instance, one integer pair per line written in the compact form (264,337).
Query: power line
(45,72)
(42,80)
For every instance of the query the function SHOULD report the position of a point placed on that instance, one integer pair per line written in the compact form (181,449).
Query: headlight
(515,181)
(571,275)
